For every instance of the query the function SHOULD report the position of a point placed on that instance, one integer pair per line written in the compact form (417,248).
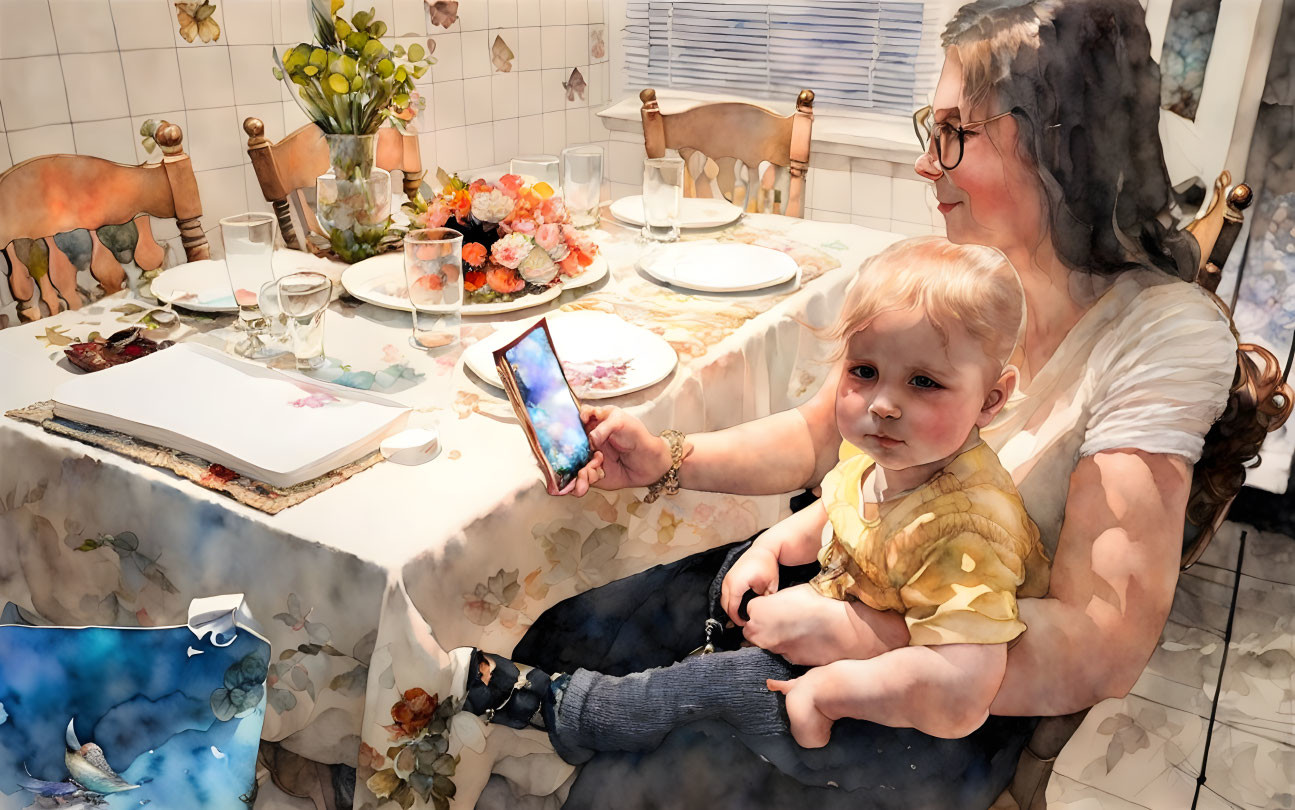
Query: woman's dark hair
(1080,81)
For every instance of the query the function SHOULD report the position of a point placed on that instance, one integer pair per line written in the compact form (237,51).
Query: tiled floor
(1145,750)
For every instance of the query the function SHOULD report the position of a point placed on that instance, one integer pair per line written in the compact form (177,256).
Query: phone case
(509,378)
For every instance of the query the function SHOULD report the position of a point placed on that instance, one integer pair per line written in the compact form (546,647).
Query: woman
(1044,146)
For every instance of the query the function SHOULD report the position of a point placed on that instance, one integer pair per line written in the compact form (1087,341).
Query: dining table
(369,591)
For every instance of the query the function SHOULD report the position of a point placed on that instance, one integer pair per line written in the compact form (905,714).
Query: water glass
(662,198)
(249,251)
(582,183)
(434,275)
(303,298)
(539,168)
(275,335)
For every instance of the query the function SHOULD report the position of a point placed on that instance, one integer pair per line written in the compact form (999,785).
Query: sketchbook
(272,426)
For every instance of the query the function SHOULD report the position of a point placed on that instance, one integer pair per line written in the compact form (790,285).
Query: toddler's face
(906,398)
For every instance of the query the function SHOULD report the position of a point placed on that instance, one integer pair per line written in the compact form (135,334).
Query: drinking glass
(662,197)
(275,335)
(582,183)
(434,274)
(249,250)
(304,298)
(541,168)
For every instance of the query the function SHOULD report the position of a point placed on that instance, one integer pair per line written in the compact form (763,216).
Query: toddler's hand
(755,570)
(809,726)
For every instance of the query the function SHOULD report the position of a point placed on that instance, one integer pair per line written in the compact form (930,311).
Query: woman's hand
(811,630)
(809,726)
(626,453)
(756,570)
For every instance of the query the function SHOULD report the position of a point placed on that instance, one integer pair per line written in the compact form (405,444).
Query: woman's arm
(944,691)
(1112,586)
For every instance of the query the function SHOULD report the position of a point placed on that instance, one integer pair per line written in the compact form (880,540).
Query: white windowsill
(874,136)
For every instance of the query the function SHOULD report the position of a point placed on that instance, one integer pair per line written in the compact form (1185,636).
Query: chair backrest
(286,168)
(1259,402)
(72,227)
(737,150)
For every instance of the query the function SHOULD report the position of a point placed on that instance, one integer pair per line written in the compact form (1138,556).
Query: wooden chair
(68,224)
(737,151)
(1259,403)
(287,168)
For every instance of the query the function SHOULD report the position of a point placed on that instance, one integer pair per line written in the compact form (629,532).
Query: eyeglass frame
(922,115)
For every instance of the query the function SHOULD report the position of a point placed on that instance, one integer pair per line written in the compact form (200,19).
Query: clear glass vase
(353,198)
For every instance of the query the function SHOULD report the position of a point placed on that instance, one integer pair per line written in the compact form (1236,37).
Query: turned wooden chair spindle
(747,154)
(73,226)
(287,168)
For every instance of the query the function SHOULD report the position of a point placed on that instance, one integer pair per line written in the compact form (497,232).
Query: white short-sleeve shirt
(1147,367)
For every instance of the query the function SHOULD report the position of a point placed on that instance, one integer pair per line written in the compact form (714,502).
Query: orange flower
(473,280)
(503,280)
(570,265)
(430,282)
(511,182)
(474,253)
(413,713)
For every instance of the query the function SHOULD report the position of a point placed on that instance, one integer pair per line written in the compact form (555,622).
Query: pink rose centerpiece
(517,239)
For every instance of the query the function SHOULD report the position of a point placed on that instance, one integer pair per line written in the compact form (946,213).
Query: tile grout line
(130,114)
(62,75)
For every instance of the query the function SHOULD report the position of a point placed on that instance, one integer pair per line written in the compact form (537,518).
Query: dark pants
(655,618)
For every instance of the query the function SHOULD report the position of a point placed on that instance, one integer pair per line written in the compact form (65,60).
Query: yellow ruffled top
(952,555)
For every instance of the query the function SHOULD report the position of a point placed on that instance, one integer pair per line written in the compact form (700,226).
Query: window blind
(854,54)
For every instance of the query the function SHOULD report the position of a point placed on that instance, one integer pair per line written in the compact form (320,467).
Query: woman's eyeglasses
(949,139)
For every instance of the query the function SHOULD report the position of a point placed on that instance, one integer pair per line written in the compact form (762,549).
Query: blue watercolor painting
(129,717)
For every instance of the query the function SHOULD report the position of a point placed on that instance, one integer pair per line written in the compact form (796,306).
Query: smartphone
(545,404)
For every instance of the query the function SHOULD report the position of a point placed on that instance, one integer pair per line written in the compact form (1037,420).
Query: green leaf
(378,29)
(385,68)
(357,40)
(310,70)
(400,100)
(148,128)
(399,50)
(361,19)
(319,58)
(401,74)
(88,545)
(337,83)
(336,5)
(278,74)
(419,70)
(416,52)
(357,84)
(372,49)
(341,28)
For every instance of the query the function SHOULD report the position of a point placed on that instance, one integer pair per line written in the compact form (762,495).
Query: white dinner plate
(603,356)
(203,286)
(694,212)
(711,266)
(381,281)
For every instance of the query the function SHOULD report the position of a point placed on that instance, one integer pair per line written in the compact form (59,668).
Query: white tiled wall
(81,76)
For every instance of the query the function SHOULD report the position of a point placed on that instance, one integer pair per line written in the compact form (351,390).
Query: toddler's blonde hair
(968,285)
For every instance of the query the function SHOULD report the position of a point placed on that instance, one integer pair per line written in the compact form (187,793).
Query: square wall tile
(506,139)
(408,17)
(294,118)
(474,15)
(477,103)
(96,88)
(597,13)
(870,194)
(503,13)
(552,91)
(876,223)
(271,114)
(48,140)
(428,153)
(528,93)
(527,49)
(448,105)
(83,26)
(830,216)
(223,192)
(577,45)
(26,29)
(908,201)
(577,127)
(153,79)
(295,24)
(215,139)
(504,95)
(597,43)
(142,24)
(207,77)
(528,12)
(255,199)
(476,54)
(112,140)
(577,12)
(481,145)
(249,22)
(32,92)
(137,120)
(555,132)
(625,162)
(530,130)
(5,160)
(553,12)
(449,57)
(831,190)
(451,150)
(553,46)
(253,76)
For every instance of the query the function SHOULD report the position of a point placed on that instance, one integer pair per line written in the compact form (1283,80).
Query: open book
(268,425)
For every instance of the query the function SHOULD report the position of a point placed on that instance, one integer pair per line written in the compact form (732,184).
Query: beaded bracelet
(668,483)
